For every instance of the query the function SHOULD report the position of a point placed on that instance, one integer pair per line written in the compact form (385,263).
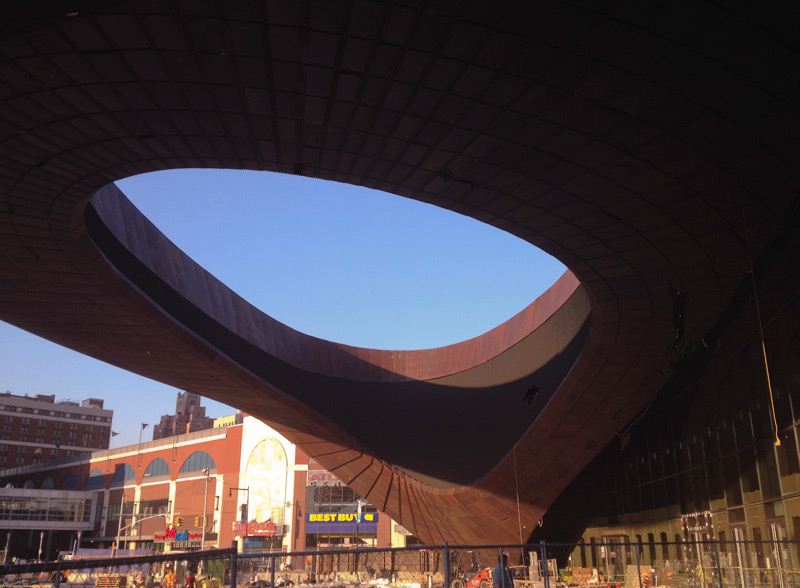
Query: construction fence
(700,564)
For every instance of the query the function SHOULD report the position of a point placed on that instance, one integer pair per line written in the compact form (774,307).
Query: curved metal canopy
(650,147)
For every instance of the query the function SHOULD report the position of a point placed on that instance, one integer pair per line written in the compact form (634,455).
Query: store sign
(172,534)
(254,529)
(342,517)
(697,521)
(321,478)
(342,522)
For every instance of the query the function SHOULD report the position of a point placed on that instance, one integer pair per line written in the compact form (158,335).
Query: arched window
(124,476)
(157,470)
(95,481)
(48,484)
(266,470)
(197,462)
(28,484)
(69,482)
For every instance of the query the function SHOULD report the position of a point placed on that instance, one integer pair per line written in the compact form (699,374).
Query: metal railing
(700,564)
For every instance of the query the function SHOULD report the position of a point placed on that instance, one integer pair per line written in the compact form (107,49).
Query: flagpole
(139,457)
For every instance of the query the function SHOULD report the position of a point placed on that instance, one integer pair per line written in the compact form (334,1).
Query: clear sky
(335,261)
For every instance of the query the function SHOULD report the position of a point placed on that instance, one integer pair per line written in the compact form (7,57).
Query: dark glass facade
(702,461)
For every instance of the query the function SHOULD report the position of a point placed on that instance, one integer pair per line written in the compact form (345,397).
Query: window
(95,481)
(26,421)
(70,482)
(124,476)
(154,507)
(197,462)
(157,470)
(41,430)
(24,429)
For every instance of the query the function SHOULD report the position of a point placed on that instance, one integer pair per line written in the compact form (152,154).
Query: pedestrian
(501,577)
(189,581)
(170,579)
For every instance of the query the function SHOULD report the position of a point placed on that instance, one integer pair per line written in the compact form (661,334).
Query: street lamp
(246,512)
(119,524)
(205,502)
(358,518)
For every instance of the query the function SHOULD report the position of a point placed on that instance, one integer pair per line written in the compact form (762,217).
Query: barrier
(610,563)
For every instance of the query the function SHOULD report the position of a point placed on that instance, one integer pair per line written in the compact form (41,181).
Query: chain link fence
(615,564)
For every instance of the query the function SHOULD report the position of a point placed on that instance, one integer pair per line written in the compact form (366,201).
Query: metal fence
(618,564)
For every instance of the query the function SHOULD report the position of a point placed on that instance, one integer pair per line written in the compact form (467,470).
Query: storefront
(341,529)
(336,515)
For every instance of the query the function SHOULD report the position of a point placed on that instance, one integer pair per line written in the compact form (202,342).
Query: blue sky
(335,261)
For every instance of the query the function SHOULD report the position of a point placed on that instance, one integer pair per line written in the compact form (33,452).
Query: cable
(760,325)
(516,487)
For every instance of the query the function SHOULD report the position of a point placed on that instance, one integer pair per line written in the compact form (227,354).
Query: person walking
(170,579)
(501,577)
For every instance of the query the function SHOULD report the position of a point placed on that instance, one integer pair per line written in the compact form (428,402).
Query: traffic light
(200,521)
(178,521)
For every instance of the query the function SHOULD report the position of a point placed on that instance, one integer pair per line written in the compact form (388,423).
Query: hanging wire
(760,325)
(516,487)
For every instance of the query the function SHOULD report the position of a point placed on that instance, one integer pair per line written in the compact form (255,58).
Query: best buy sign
(341,517)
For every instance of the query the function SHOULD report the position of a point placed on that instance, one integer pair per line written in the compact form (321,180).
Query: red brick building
(37,428)
(243,483)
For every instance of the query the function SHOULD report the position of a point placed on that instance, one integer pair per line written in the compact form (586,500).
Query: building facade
(242,482)
(39,428)
(715,457)
(189,417)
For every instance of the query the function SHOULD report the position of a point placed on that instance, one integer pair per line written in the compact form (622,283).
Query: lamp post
(119,524)
(358,519)
(205,502)
(246,512)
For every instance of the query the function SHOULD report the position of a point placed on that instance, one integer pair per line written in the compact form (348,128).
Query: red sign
(172,534)
(254,529)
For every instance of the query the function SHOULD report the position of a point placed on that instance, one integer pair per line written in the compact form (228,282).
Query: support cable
(760,326)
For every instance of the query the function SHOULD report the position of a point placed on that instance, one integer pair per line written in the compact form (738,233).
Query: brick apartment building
(37,428)
(189,417)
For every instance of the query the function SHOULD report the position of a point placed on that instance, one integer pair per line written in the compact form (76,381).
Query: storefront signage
(321,478)
(172,534)
(342,522)
(342,517)
(254,529)
(696,521)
